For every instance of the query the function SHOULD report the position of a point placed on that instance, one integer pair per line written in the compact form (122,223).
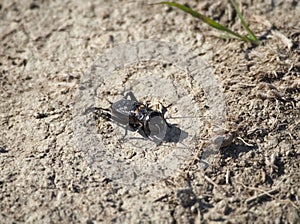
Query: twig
(220,189)
(227,177)
(247,144)
(161,198)
(260,196)
(286,41)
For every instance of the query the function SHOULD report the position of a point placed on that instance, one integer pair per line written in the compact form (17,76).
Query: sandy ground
(53,171)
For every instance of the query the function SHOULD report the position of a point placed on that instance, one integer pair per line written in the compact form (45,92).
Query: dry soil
(48,48)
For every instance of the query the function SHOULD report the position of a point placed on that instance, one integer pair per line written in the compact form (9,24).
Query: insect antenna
(185,117)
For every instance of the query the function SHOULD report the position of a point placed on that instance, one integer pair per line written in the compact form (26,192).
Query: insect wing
(121,110)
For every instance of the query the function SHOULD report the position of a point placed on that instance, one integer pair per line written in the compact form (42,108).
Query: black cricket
(136,116)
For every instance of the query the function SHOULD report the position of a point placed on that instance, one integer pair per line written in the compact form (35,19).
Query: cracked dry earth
(48,47)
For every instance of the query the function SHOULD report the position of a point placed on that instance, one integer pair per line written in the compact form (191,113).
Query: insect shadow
(135,116)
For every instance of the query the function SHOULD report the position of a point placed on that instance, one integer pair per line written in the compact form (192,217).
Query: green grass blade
(244,24)
(206,20)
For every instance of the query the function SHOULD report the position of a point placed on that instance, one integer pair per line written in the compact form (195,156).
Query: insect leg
(97,110)
(106,114)
(103,112)
(165,109)
(130,94)
(125,134)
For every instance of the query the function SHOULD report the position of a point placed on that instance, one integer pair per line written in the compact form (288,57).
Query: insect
(136,116)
